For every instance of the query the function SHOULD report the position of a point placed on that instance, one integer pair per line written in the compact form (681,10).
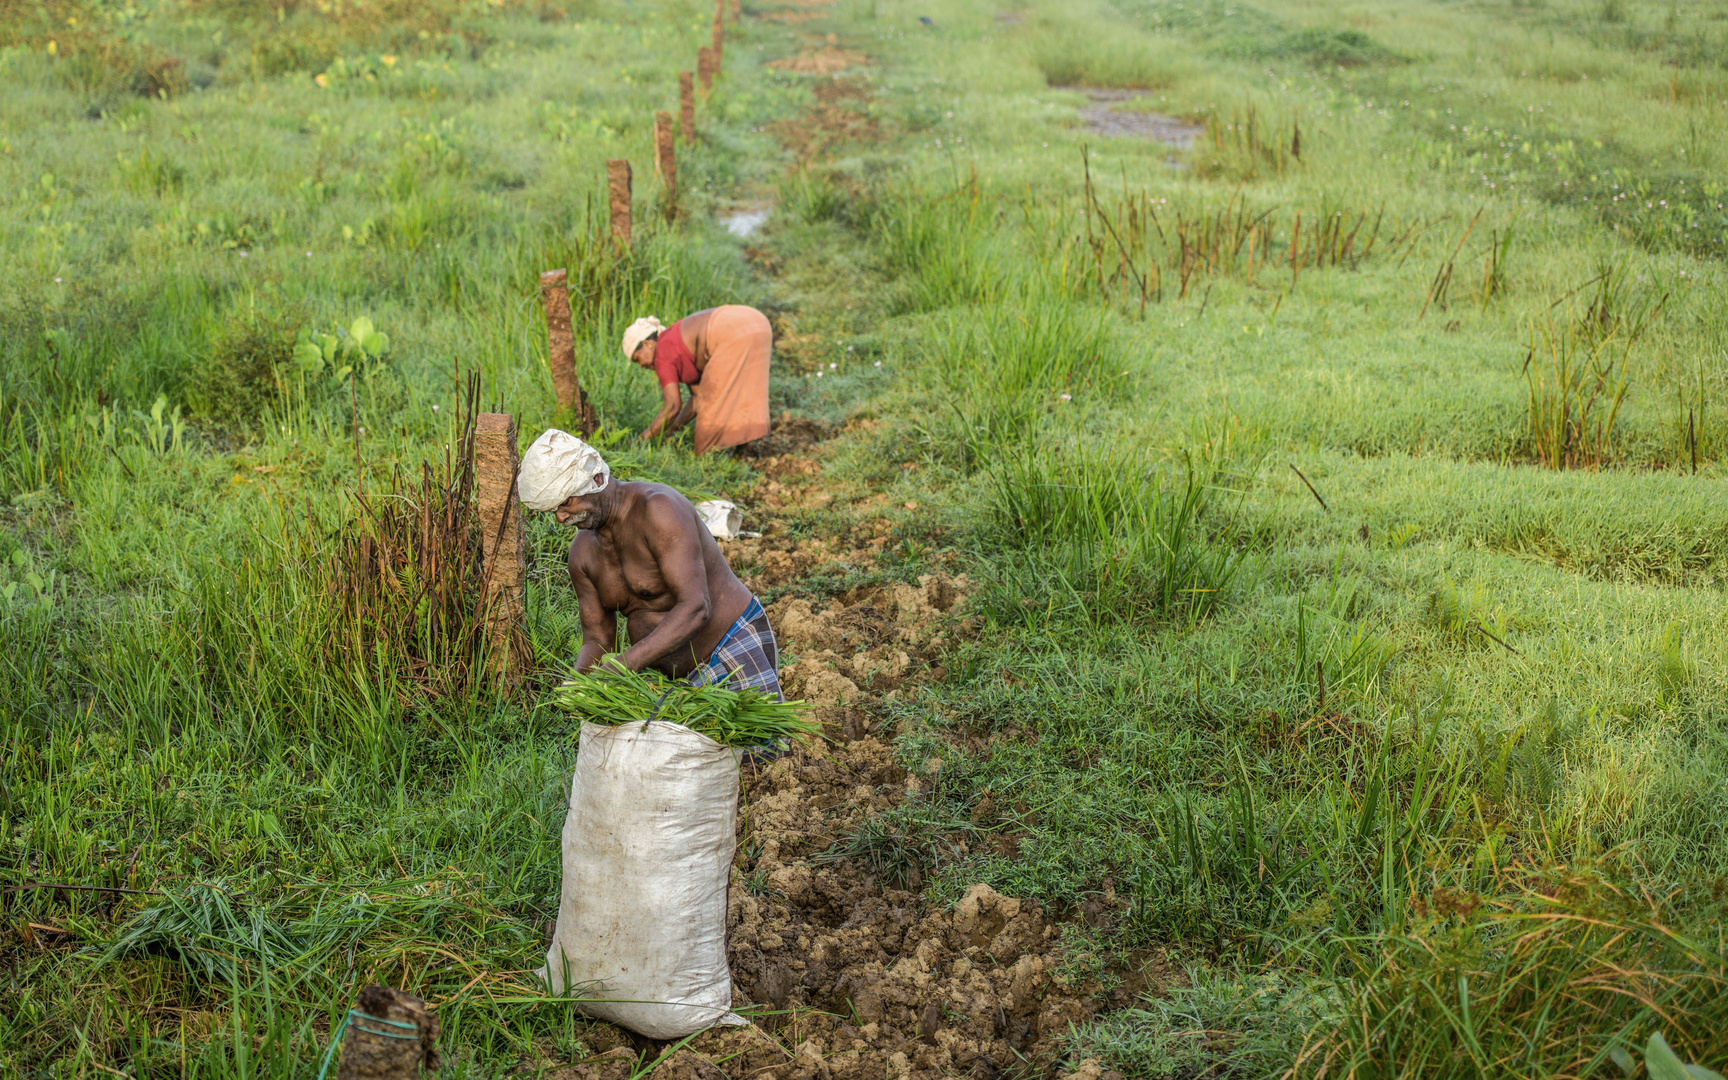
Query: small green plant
(1112,529)
(162,427)
(38,593)
(359,350)
(1662,1063)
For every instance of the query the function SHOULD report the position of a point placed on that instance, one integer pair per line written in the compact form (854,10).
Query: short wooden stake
(504,564)
(736,12)
(618,186)
(388,1035)
(705,68)
(561,350)
(664,159)
(719,34)
(687,107)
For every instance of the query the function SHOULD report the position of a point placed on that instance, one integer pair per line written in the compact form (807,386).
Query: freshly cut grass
(612,694)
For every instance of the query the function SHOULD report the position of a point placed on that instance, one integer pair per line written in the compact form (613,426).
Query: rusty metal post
(618,187)
(705,68)
(687,107)
(664,159)
(503,563)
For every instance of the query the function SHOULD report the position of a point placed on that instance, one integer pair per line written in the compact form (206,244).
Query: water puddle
(743,223)
(1105,116)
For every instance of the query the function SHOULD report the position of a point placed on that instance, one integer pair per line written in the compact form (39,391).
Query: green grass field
(1341,496)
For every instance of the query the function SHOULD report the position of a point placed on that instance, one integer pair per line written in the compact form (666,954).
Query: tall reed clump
(1577,383)
(406,578)
(997,372)
(1132,240)
(946,247)
(1111,531)
(1557,975)
(1247,146)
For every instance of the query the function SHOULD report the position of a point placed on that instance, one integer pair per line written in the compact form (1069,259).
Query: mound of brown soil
(824,61)
(786,437)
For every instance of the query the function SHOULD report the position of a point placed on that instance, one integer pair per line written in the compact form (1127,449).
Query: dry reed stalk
(1443,274)
(405,576)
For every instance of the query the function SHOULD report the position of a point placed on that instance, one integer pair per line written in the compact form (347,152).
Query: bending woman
(722,355)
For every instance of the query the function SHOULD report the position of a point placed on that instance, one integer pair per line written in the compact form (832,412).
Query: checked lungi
(746,658)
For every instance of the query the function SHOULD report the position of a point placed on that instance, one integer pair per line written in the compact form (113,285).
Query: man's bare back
(643,551)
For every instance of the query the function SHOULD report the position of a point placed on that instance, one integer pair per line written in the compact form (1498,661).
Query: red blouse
(673,361)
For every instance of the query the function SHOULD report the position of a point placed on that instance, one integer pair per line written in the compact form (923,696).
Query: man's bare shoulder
(663,507)
(583,550)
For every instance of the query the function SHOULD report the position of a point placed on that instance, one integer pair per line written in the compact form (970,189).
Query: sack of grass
(648,844)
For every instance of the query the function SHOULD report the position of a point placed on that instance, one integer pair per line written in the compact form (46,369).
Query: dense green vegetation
(1349,593)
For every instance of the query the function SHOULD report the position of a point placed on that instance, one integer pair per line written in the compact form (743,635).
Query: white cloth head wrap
(640,330)
(557,467)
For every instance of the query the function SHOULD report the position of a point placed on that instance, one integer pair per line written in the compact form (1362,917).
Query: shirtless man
(643,552)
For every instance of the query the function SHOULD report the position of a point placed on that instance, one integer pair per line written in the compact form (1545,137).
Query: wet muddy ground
(1106,115)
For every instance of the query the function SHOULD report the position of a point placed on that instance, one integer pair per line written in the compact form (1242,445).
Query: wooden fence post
(687,107)
(561,350)
(375,1041)
(719,33)
(503,560)
(705,68)
(736,12)
(665,161)
(618,186)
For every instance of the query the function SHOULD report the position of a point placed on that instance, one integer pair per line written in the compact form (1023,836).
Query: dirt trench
(851,978)
(846,976)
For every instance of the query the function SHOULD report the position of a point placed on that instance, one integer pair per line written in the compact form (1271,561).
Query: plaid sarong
(745,658)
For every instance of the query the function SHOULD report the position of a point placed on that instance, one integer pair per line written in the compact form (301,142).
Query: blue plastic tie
(355,1017)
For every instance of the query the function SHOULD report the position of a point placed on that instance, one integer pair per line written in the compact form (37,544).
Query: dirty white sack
(648,848)
(722,518)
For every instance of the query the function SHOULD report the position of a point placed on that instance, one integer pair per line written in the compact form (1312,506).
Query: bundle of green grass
(612,694)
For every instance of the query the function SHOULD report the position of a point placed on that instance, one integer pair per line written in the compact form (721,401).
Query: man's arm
(677,548)
(669,403)
(599,626)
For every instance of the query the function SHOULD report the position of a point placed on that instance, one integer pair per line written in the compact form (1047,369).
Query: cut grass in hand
(612,694)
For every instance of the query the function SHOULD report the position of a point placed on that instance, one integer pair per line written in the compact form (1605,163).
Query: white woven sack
(648,853)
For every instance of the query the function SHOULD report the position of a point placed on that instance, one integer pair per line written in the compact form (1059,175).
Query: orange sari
(732,398)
